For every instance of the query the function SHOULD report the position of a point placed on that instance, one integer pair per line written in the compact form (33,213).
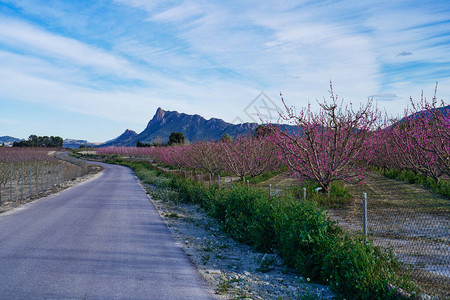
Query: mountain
(8,140)
(125,139)
(194,128)
(74,144)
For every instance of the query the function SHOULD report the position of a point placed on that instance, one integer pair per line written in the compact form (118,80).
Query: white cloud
(45,44)
(213,58)
(181,12)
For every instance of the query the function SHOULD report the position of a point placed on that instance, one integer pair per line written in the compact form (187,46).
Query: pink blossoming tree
(333,143)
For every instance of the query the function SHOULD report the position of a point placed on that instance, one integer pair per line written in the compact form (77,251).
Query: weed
(308,295)
(205,258)
(224,285)
(172,215)
(207,249)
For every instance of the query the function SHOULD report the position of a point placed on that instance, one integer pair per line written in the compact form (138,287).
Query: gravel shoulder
(233,270)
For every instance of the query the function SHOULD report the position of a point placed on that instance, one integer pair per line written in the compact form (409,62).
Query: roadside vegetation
(299,231)
(329,154)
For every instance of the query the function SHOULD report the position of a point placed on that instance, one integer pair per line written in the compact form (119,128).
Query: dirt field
(411,221)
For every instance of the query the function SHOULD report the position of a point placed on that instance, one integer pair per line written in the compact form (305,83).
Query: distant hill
(74,144)
(445,110)
(194,128)
(125,139)
(8,140)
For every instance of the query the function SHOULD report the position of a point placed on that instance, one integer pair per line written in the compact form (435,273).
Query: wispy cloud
(10,121)
(121,58)
(384,97)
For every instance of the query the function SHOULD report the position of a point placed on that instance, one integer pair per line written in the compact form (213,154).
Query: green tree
(262,131)
(176,138)
(226,138)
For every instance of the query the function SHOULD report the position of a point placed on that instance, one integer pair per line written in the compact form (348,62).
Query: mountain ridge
(194,128)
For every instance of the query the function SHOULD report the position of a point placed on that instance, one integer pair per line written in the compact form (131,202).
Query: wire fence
(417,234)
(20,181)
(416,231)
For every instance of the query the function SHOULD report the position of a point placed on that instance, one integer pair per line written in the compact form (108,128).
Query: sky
(90,69)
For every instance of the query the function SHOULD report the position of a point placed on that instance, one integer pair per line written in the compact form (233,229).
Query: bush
(299,230)
(339,195)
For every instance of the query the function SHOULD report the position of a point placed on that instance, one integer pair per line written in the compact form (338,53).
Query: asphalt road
(102,239)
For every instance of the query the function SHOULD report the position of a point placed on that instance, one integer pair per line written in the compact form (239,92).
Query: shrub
(299,230)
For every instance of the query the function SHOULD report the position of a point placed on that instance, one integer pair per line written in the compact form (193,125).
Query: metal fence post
(23,176)
(364,200)
(37,177)
(10,181)
(30,182)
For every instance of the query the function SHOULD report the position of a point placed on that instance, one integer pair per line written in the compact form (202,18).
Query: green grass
(442,188)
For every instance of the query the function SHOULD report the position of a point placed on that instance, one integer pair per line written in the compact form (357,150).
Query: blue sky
(91,69)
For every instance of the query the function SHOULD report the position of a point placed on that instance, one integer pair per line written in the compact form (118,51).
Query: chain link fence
(415,229)
(417,233)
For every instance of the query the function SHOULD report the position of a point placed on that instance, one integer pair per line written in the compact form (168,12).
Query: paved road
(102,239)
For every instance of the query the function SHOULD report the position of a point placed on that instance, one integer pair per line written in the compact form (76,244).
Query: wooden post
(248,183)
(304,194)
(270,190)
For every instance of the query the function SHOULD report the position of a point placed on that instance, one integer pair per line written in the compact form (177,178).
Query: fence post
(304,194)
(23,176)
(364,200)
(37,177)
(248,183)
(270,190)
(10,181)
(30,181)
